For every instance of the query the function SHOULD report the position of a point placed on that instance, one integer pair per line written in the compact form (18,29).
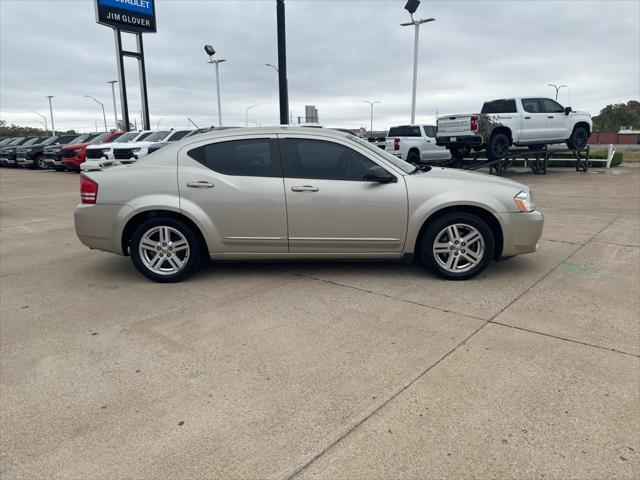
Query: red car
(74,155)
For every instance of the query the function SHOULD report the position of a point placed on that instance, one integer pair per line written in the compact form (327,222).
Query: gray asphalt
(323,370)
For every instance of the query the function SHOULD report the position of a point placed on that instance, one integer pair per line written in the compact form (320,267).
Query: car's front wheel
(165,249)
(579,138)
(457,246)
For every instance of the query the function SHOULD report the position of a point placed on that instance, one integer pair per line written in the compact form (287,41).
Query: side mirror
(567,110)
(380,175)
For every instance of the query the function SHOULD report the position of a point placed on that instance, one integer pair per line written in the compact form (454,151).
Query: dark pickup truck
(32,156)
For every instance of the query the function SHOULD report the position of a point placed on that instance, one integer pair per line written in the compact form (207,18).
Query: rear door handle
(200,184)
(527,118)
(304,188)
(550,116)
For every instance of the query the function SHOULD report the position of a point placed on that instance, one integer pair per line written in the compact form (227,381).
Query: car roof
(312,132)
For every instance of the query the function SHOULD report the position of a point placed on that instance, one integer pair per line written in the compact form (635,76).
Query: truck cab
(415,144)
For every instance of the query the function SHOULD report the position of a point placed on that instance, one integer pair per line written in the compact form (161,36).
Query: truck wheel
(457,246)
(413,157)
(578,139)
(498,146)
(39,163)
(165,250)
(458,152)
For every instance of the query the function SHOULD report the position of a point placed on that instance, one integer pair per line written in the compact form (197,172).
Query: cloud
(339,54)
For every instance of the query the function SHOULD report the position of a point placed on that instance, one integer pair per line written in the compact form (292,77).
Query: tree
(613,117)
(18,131)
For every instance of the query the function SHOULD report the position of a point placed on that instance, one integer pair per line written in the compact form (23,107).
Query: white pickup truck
(415,144)
(522,121)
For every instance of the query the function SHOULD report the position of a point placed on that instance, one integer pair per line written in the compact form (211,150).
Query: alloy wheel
(458,248)
(164,250)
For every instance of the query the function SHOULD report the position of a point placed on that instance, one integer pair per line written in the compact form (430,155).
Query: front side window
(550,106)
(304,158)
(247,158)
(531,105)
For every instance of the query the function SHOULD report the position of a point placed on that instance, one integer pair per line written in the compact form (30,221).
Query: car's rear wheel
(165,249)
(578,139)
(413,157)
(457,246)
(498,146)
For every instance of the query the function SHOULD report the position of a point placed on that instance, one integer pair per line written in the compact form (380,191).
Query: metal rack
(536,160)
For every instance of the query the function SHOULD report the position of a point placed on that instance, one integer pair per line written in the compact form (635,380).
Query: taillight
(474,123)
(396,144)
(88,190)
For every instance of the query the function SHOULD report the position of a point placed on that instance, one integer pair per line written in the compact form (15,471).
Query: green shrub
(617,159)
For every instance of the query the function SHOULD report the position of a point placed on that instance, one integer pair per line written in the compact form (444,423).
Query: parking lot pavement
(323,370)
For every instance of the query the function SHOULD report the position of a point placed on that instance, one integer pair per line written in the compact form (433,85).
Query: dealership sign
(138,16)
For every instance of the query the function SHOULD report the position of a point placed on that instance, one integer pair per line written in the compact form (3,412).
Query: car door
(432,151)
(534,121)
(331,208)
(236,184)
(557,121)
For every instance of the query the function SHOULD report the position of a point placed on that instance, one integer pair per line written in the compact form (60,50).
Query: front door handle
(200,184)
(550,116)
(304,188)
(527,118)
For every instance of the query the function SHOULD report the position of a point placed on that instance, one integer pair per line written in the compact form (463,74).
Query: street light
(372,104)
(211,52)
(158,124)
(53,128)
(411,7)
(113,94)
(104,117)
(272,66)
(557,87)
(46,128)
(246,114)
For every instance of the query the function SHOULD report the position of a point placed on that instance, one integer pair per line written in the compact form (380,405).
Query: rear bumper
(465,140)
(521,232)
(99,226)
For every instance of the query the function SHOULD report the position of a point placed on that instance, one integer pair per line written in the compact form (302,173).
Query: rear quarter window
(404,131)
(500,106)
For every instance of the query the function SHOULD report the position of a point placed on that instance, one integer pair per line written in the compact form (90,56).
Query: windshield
(127,137)
(101,138)
(178,135)
(157,136)
(32,141)
(397,162)
(143,136)
(49,140)
(17,141)
(67,139)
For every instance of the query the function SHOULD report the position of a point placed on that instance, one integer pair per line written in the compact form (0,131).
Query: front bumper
(25,162)
(72,163)
(521,232)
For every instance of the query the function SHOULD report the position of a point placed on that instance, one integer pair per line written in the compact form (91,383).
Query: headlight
(524,201)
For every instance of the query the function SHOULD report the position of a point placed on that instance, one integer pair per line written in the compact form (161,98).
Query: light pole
(104,117)
(211,52)
(246,114)
(53,128)
(272,66)
(158,124)
(372,104)
(411,7)
(113,94)
(46,128)
(557,87)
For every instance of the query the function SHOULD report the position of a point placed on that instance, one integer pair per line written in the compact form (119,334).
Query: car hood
(134,144)
(467,176)
(77,145)
(104,145)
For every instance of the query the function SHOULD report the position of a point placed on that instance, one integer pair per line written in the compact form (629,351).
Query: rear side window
(430,131)
(321,159)
(247,158)
(500,106)
(549,106)
(405,131)
(531,105)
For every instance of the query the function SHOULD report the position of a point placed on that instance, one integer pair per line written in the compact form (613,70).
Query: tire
(458,152)
(413,157)
(470,260)
(498,146)
(39,163)
(578,139)
(161,235)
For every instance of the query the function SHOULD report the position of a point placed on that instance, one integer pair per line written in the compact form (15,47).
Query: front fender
(420,213)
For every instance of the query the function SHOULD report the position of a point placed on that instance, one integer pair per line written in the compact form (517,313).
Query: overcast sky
(340,53)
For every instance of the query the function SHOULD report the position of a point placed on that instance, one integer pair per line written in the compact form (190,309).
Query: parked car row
(89,151)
